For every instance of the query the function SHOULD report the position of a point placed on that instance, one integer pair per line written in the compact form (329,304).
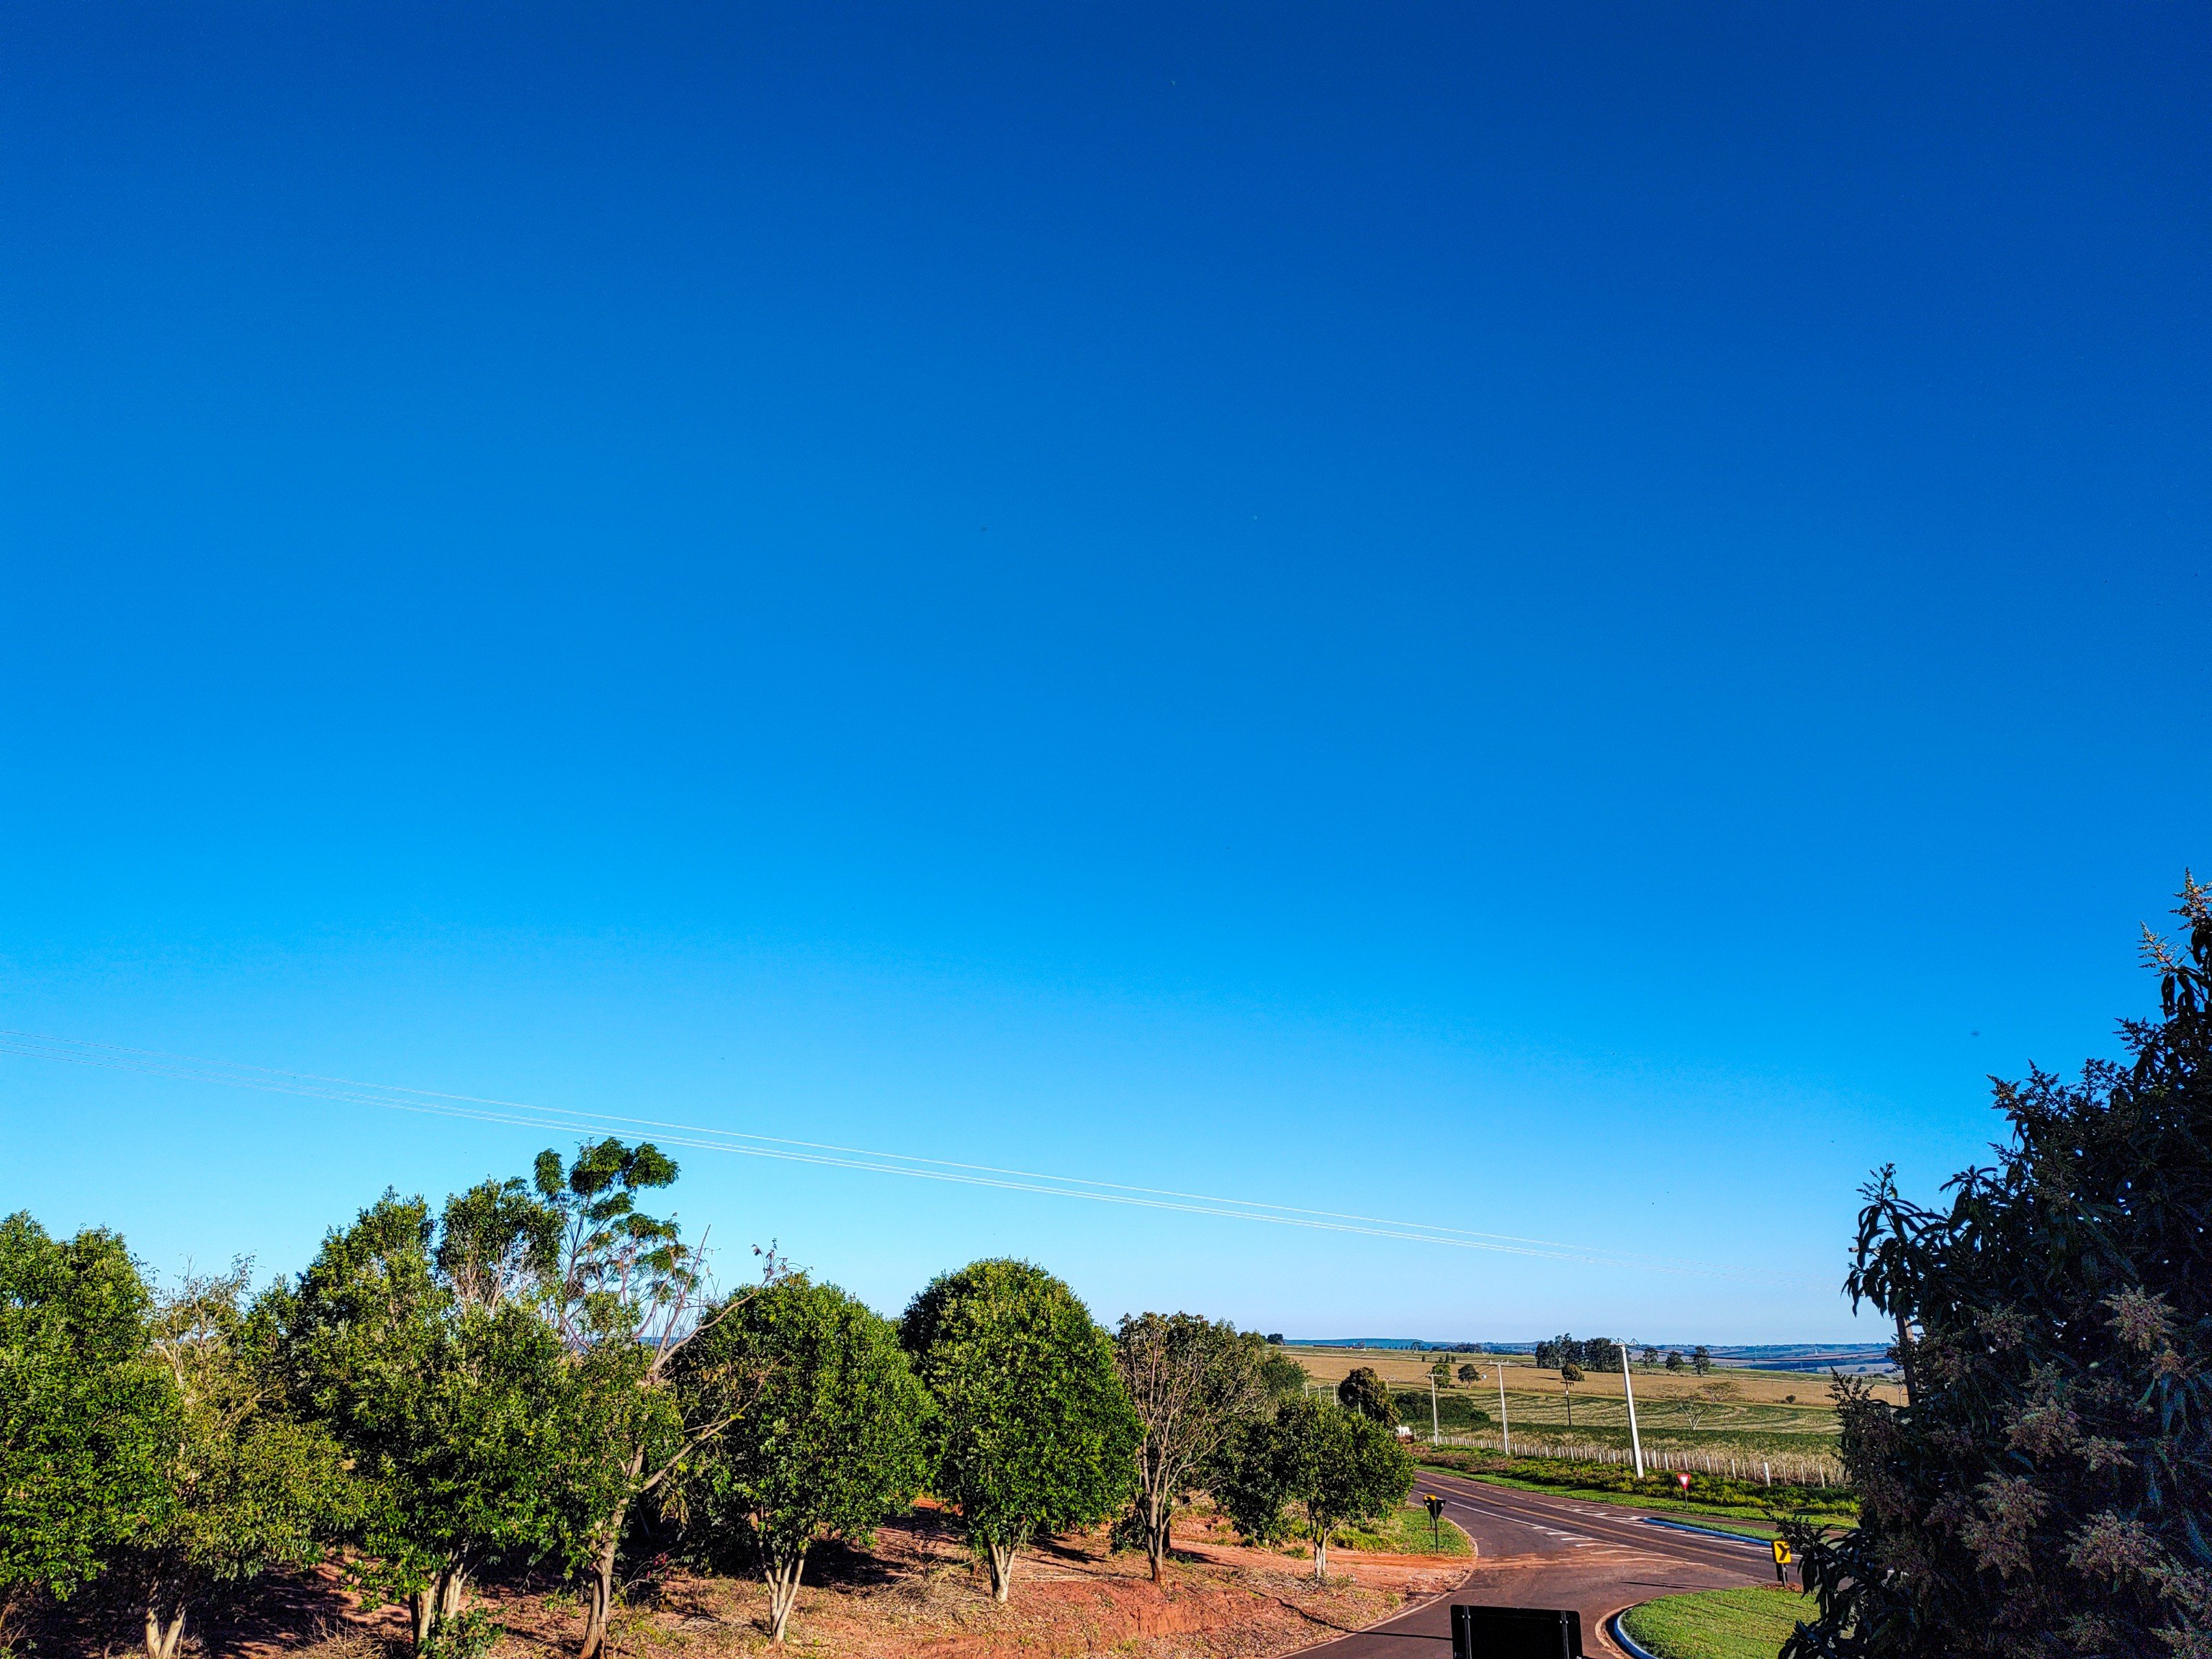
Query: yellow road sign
(1781,1553)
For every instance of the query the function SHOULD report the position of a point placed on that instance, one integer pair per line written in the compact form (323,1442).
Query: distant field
(1731,1411)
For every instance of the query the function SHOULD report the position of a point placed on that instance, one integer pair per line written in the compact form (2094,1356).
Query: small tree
(829,1442)
(1701,1359)
(1649,1357)
(1282,1376)
(1364,1391)
(1032,1429)
(2045,1488)
(1674,1359)
(621,1291)
(1442,1373)
(84,1420)
(1569,1374)
(1193,1383)
(1469,1374)
(1310,1468)
(245,1487)
(455,1410)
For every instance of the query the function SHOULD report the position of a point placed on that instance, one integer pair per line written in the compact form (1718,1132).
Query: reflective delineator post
(1634,1441)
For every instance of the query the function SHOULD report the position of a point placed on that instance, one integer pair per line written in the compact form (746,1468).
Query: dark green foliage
(1282,1376)
(1309,1468)
(244,1487)
(1365,1392)
(1030,1427)
(1454,1412)
(85,1422)
(458,1414)
(2048,1491)
(1701,1359)
(1674,1359)
(829,1444)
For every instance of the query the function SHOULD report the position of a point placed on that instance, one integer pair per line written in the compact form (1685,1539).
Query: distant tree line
(536,1377)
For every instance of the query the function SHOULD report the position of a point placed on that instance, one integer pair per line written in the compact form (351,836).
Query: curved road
(1537,1550)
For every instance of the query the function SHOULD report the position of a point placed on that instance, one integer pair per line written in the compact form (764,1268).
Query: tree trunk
(600,1604)
(1320,1555)
(999,1558)
(438,1603)
(1159,1533)
(783,1588)
(163,1633)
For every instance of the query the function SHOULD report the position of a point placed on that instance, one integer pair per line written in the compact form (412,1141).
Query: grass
(1743,1505)
(1732,1624)
(1405,1532)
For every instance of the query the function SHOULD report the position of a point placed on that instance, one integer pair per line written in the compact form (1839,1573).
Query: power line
(78,1051)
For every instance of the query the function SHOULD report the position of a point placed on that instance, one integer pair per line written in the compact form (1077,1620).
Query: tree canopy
(85,1422)
(1030,1426)
(2045,1490)
(245,1486)
(1310,1468)
(1192,1382)
(829,1442)
(1364,1391)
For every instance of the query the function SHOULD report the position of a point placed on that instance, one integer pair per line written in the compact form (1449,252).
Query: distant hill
(1851,1358)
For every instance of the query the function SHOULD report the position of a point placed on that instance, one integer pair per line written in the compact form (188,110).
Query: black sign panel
(1517,1633)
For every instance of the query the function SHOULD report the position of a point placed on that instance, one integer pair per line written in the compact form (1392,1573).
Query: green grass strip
(1731,1624)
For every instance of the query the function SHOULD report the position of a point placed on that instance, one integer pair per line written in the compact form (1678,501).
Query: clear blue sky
(1568,621)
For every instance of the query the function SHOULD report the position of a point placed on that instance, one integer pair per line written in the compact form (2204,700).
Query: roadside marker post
(1435,1505)
(1634,1440)
(1782,1558)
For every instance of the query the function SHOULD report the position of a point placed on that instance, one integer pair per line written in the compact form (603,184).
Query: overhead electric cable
(560,1119)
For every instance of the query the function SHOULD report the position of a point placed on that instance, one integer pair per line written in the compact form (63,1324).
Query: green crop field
(1735,1624)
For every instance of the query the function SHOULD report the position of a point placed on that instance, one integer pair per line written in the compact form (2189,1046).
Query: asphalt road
(1540,1551)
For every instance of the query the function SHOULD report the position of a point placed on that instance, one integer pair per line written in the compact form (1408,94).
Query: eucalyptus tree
(1030,1428)
(84,1416)
(1310,1468)
(1192,1383)
(830,1443)
(621,1292)
(2045,1488)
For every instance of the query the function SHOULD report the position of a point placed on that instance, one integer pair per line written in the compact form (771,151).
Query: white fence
(1785,1468)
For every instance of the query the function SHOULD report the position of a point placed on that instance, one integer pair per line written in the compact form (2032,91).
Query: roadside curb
(1710,1532)
(1628,1644)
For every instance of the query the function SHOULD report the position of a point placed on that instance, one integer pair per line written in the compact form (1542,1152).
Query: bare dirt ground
(918,1592)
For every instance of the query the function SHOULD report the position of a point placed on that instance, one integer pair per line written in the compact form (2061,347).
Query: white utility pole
(1633,1440)
(1435,1437)
(1504,1428)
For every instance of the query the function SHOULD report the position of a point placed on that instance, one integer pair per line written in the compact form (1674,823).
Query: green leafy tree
(1441,1372)
(1309,1469)
(2046,1489)
(458,1411)
(244,1487)
(1032,1428)
(621,1290)
(1701,1359)
(1193,1383)
(1674,1359)
(829,1442)
(1649,1357)
(1569,1374)
(1364,1391)
(1282,1376)
(1469,1374)
(84,1418)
